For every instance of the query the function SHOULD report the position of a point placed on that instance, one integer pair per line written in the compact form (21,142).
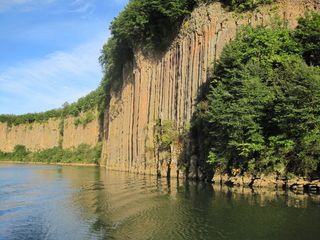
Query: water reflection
(264,196)
(60,202)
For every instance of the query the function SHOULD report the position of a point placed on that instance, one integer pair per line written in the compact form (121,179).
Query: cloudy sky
(49,51)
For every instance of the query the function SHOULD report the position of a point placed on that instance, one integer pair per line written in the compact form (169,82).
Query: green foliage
(115,53)
(30,117)
(85,104)
(61,128)
(82,154)
(308,34)
(19,152)
(262,111)
(84,120)
(165,134)
(149,24)
(267,46)
(216,161)
(244,5)
(93,100)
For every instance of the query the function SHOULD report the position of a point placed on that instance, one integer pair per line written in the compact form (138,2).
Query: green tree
(243,5)
(308,34)
(262,110)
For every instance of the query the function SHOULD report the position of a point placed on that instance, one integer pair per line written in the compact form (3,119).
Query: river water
(64,202)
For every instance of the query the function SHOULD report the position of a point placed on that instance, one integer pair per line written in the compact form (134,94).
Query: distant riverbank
(82,155)
(52,163)
(296,185)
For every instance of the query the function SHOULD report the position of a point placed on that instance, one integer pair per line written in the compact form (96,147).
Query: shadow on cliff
(195,149)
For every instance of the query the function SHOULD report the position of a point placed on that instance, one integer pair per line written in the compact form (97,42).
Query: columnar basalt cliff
(158,89)
(55,132)
(146,121)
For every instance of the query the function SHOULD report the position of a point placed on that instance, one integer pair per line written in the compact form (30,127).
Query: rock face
(40,136)
(166,87)
(75,135)
(35,136)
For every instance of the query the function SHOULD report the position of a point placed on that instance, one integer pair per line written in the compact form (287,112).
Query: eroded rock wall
(166,87)
(74,135)
(45,135)
(35,136)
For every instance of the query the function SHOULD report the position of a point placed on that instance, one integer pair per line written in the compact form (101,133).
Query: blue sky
(49,51)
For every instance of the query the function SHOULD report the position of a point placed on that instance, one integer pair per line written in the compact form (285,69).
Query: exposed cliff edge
(163,91)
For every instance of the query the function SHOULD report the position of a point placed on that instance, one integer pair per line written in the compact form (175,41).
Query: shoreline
(48,163)
(295,186)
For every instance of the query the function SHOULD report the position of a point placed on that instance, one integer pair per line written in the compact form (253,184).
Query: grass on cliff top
(82,154)
(92,101)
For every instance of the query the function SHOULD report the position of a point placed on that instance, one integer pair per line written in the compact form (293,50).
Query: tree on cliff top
(308,34)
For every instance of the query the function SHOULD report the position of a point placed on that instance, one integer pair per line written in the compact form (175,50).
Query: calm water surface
(62,202)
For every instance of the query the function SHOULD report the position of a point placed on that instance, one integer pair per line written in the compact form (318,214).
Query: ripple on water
(90,203)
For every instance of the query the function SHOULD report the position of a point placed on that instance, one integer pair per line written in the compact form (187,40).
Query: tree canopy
(262,112)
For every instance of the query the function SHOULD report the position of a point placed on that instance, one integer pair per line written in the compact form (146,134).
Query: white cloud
(76,6)
(26,4)
(46,83)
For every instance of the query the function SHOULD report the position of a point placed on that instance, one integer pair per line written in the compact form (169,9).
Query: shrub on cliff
(243,5)
(262,110)
(148,24)
(308,34)
(20,152)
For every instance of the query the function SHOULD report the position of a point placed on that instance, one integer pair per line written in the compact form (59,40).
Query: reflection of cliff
(124,206)
(166,88)
(128,206)
(39,136)
(65,202)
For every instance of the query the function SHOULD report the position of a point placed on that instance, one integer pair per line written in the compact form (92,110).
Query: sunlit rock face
(167,87)
(44,135)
